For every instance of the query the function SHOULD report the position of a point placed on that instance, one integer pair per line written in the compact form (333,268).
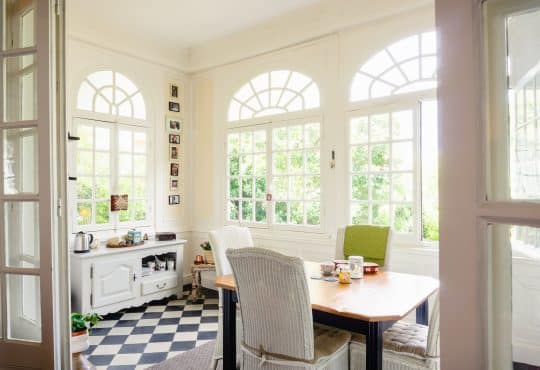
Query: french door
(27,185)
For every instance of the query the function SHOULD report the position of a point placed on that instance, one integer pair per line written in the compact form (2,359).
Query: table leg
(422,313)
(374,346)
(229,330)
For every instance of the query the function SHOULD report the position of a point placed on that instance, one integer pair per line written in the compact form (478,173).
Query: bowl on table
(327,268)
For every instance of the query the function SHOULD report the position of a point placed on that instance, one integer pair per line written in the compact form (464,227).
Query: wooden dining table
(367,306)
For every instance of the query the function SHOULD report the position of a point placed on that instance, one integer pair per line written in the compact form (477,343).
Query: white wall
(331,61)
(152,79)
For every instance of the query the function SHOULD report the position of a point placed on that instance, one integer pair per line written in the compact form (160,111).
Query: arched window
(111,93)
(405,66)
(282,155)
(272,93)
(111,157)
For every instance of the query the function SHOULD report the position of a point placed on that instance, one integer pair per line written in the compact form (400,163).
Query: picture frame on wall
(174,139)
(174,200)
(175,169)
(174,107)
(174,185)
(173,90)
(174,152)
(173,124)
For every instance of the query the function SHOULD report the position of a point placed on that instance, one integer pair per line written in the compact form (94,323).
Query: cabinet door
(113,281)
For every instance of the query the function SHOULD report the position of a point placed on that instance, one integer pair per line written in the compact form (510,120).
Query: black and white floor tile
(139,337)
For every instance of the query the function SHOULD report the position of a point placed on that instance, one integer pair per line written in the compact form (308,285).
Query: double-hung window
(273,163)
(112,154)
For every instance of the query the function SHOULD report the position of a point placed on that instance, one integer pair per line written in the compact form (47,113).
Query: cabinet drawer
(157,284)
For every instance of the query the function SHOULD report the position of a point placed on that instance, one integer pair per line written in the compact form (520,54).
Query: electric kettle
(82,242)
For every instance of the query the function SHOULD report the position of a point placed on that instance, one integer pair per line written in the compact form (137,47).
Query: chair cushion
(405,338)
(329,340)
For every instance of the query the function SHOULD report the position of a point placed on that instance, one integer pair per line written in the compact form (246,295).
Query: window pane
(402,187)
(140,210)
(380,187)
(313,187)
(402,156)
(20,80)
(124,185)
(380,214)
(85,163)
(233,143)
(260,187)
(102,212)
(515,301)
(380,157)
(20,161)
(246,165)
(21,221)
(313,213)
(359,130)
(103,138)
(259,139)
(430,172)
(246,142)
(515,159)
(296,189)
(125,164)
(281,187)
(86,133)
(84,188)
(260,164)
(281,212)
(140,143)
(403,218)
(233,210)
(295,137)
(139,184)
(360,187)
(102,163)
(234,166)
(359,214)
(24,307)
(247,210)
(234,188)
(402,125)
(247,187)
(297,213)
(124,141)
(260,211)
(296,162)
(279,140)
(139,167)
(280,163)
(20,24)
(379,128)
(313,161)
(84,213)
(312,135)
(359,158)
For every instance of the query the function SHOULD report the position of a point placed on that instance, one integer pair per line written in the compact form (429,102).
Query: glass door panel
(27,221)
(515,298)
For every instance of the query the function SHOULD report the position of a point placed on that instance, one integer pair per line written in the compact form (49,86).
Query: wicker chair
(276,315)
(222,239)
(407,346)
(340,240)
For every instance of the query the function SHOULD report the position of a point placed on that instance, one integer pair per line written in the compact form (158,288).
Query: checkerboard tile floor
(139,337)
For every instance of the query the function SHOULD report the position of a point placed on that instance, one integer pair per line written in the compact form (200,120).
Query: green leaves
(80,322)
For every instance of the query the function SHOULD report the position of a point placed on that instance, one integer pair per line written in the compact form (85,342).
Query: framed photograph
(173,90)
(174,200)
(174,107)
(174,139)
(173,124)
(174,185)
(175,168)
(174,152)
(119,202)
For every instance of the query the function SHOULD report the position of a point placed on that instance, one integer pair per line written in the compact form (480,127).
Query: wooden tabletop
(385,296)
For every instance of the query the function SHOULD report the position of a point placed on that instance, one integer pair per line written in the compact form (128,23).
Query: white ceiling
(166,29)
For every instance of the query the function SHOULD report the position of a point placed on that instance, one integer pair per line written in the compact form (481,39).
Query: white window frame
(114,219)
(269,123)
(391,104)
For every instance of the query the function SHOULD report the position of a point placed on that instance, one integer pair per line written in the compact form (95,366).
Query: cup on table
(327,268)
(356,264)
(344,274)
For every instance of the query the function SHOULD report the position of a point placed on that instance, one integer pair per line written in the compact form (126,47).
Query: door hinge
(92,272)
(91,300)
(59,208)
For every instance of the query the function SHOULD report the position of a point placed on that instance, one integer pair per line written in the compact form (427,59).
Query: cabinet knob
(161,286)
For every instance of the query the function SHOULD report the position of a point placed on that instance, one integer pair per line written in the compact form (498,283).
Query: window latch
(73,138)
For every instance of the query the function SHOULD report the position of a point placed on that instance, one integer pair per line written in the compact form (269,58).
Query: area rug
(198,358)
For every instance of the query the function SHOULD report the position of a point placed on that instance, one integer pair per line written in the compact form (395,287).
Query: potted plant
(207,252)
(80,325)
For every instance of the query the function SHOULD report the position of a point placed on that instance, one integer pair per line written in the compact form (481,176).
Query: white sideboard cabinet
(107,280)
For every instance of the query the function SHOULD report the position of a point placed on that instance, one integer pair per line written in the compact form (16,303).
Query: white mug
(170,265)
(151,265)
